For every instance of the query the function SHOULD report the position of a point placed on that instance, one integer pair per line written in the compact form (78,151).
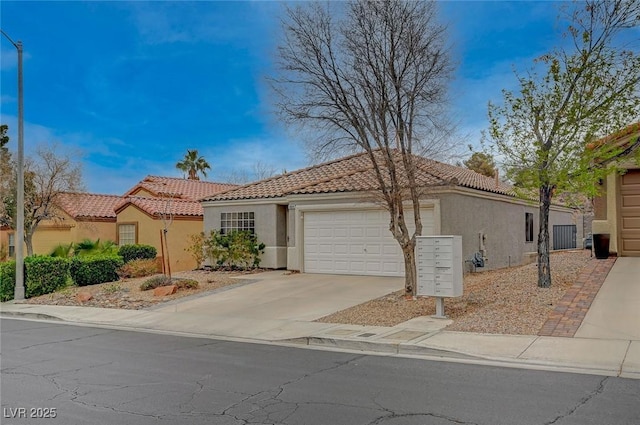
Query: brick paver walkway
(571,309)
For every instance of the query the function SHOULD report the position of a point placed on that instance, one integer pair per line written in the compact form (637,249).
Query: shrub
(7,280)
(138,268)
(196,248)
(186,283)
(92,270)
(136,252)
(155,282)
(235,250)
(44,274)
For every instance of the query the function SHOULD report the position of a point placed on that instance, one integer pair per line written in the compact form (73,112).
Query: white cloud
(243,154)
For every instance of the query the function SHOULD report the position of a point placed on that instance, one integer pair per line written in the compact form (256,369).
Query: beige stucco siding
(148,231)
(610,223)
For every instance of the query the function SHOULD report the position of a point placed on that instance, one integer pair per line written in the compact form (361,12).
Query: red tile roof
(158,206)
(355,173)
(88,205)
(179,188)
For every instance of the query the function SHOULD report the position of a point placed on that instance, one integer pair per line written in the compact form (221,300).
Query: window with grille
(237,221)
(12,245)
(528,219)
(126,234)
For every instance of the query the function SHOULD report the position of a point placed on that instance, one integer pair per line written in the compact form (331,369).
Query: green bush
(235,250)
(137,252)
(156,282)
(7,280)
(44,274)
(92,270)
(138,268)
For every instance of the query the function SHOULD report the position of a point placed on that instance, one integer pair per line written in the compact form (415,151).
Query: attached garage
(630,213)
(355,242)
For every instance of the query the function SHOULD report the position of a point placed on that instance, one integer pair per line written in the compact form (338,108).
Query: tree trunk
(28,240)
(544,266)
(410,276)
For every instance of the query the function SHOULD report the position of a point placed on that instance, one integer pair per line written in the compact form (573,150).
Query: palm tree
(193,164)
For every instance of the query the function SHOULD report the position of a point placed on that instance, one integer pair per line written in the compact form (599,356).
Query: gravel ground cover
(505,301)
(126,293)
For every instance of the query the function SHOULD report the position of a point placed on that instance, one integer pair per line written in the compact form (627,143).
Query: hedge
(95,269)
(137,252)
(44,274)
(7,280)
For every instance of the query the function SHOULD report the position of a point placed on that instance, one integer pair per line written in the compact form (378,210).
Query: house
(79,216)
(156,202)
(142,220)
(617,209)
(326,219)
(135,217)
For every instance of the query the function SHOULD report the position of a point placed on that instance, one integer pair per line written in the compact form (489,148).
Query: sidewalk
(421,337)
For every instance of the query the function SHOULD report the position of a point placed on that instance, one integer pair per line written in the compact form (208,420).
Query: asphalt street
(54,373)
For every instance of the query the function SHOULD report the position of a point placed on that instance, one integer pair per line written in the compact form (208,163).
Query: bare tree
(46,176)
(259,171)
(371,78)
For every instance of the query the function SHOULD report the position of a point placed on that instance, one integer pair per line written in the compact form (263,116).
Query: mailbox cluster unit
(439,264)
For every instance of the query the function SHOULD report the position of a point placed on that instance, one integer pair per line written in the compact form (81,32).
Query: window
(12,244)
(127,234)
(237,221)
(528,221)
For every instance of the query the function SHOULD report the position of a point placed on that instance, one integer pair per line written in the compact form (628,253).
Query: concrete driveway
(296,297)
(615,312)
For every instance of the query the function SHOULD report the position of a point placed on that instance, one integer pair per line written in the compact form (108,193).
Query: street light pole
(19,288)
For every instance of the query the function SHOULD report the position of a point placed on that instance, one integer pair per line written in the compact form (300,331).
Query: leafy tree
(574,95)
(192,165)
(372,78)
(6,169)
(4,139)
(45,177)
(482,163)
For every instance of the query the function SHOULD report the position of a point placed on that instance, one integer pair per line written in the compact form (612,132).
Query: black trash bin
(601,245)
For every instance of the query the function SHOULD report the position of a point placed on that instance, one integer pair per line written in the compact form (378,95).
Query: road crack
(582,402)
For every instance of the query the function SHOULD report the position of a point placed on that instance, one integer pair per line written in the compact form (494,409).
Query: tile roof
(158,206)
(622,142)
(179,188)
(88,205)
(355,173)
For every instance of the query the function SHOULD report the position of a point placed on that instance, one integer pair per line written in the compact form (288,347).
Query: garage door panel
(631,200)
(360,242)
(630,213)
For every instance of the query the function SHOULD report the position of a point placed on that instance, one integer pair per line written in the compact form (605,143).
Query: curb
(40,316)
(380,347)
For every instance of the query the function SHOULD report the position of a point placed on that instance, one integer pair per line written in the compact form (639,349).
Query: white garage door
(355,242)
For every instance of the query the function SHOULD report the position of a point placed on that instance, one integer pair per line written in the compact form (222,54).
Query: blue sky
(130,86)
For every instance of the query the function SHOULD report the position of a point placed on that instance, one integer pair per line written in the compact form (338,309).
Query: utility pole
(19,288)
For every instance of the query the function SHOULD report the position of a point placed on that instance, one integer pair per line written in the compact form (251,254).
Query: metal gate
(564,236)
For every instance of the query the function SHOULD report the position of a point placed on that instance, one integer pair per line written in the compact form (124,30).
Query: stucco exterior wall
(50,234)
(502,222)
(148,231)
(103,230)
(608,220)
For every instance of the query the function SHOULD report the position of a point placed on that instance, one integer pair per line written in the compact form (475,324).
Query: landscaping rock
(163,291)
(83,297)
